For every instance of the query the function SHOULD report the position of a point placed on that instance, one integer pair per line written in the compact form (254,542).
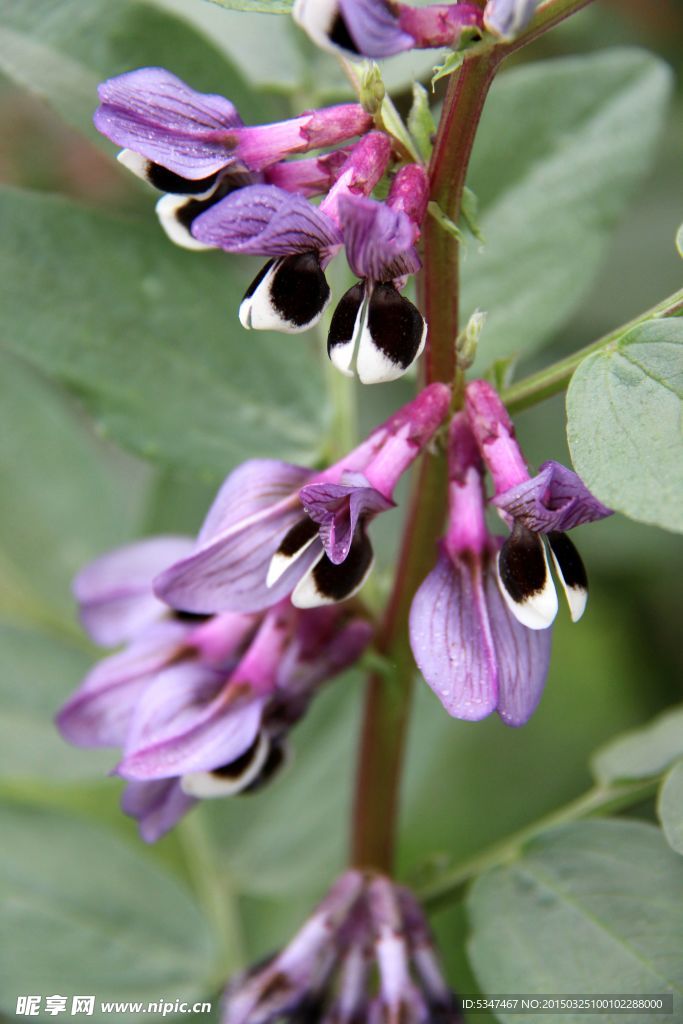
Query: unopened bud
(467,341)
(372,91)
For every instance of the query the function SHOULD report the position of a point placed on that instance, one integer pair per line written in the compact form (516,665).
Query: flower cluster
(365,954)
(231,187)
(201,706)
(479,624)
(382,28)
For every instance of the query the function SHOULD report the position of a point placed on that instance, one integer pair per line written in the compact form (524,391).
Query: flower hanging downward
(290,293)
(195,147)
(373,323)
(468,645)
(277,529)
(543,506)
(201,706)
(365,954)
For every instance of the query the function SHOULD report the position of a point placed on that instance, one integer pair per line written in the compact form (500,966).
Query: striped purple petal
(379,241)
(523,657)
(157,806)
(154,113)
(451,639)
(264,220)
(188,721)
(366,28)
(337,509)
(115,591)
(554,499)
(254,509)
(99,712)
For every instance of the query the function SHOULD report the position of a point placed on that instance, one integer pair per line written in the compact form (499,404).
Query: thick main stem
(389,694)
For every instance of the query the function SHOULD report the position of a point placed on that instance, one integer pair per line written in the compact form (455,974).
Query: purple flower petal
(263,220)
(326,643)
(115,591)
(523,657)
(379,241)
(364,27)
(187,721)
(253,511)
(507,18)
(158,806)
(99,712)
(451,639)
(157,115)
(337,509)
(554,499)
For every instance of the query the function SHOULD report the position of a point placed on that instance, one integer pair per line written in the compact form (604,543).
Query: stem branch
(388,699)
(553,379)
(601,800)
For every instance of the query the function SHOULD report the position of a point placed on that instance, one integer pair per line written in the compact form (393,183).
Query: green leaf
(97,915)
(148,335)
(591,907)
(642,752)
(66,497)
(453,62)
(444,221)
(262,6)
(624,423)
(670,807)
(679,240)
(571,162)
(421,124)
(37,674)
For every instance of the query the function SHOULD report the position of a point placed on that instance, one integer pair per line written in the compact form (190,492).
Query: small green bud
(372,91)
(468,340)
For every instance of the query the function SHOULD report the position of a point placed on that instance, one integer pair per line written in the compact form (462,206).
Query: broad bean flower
(201,706)
(365,954)
(469,646)
(276,529)
(538,508)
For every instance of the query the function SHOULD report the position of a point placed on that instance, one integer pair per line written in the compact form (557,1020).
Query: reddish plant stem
(389,694)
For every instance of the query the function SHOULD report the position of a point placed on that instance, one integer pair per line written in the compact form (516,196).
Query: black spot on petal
(166,181)
(569,560)
(297,537)
(275,761)
(186,213)
(241,765)
(257,280)
(345,316)
(395,324)
(298,288)
(522,565)
(340,36)
(337,582)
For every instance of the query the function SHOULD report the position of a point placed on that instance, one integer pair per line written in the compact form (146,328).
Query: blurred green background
(254,866)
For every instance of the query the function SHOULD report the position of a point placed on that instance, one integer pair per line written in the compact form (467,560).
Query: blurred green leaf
(670,807)
(148,335)
(65,496)
(643,752)
(624,423)
(84,912)
(679,240)
(555,162)
(37,674)
(590,907)
(262,6)
(421,124)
